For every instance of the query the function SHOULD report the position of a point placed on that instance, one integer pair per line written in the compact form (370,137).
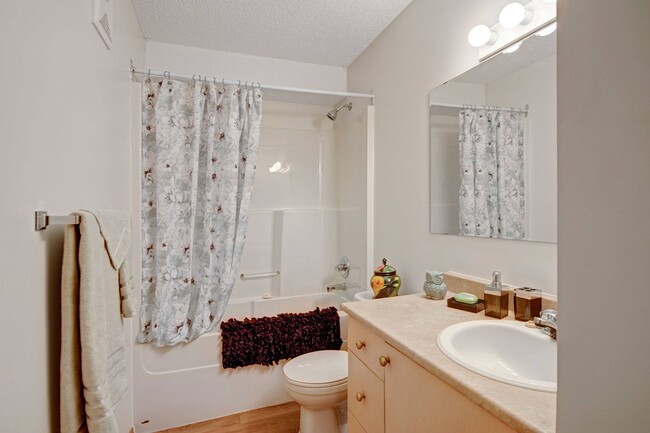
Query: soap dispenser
(496,300)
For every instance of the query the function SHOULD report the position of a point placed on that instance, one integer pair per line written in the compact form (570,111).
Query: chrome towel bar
(42,219)
(260,275)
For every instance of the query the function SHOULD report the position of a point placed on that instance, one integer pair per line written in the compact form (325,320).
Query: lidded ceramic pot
(385,282)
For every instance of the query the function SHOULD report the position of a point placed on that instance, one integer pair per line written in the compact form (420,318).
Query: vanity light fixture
(547,30)
(518,20)
(513,15)
(481,35)
(511,49)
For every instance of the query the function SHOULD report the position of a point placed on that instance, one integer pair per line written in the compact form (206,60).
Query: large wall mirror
(493,147)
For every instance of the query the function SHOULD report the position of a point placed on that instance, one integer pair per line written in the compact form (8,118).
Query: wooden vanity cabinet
(406,398)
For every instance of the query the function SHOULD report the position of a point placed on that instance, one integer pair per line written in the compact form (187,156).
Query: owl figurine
(434,285)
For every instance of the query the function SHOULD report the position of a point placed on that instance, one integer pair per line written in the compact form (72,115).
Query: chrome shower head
(332,114)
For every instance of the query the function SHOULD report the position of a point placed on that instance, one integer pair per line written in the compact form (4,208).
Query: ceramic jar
(385,282)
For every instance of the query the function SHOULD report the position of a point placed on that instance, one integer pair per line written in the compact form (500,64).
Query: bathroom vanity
(400,381)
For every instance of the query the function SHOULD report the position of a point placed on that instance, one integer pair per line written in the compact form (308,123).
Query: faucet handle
(548,315)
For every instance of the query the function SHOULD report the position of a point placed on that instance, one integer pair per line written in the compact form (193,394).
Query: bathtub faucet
(331,287)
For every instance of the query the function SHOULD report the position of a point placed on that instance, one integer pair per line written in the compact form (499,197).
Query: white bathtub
(185,384)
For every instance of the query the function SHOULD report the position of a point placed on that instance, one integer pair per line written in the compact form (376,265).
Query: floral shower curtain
(492,201)
(199,150)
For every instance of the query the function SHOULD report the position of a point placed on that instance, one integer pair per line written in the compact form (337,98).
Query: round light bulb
(481,35)
(547,30)
(514,14)
(511,49)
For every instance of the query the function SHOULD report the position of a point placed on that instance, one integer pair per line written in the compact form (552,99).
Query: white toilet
(318,382)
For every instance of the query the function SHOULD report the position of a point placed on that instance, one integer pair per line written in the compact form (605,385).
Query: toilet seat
(321,369)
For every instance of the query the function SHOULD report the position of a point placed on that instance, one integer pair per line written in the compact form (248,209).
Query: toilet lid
(321,367)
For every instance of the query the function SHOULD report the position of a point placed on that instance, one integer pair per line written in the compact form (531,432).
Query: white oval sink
(505,351)
(364,296)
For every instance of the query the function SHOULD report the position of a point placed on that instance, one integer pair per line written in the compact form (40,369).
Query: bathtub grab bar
(260,275)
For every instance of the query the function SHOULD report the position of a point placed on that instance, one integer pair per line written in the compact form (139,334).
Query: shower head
(332,114)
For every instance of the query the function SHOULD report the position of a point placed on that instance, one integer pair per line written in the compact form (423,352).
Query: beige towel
(96,291)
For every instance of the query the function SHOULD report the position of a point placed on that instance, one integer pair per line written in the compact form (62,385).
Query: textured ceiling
(326,32)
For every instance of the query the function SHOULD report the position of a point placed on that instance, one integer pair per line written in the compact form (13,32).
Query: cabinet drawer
(367,346)
(365,396)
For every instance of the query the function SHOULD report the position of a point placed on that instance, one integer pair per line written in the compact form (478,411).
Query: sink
(505,351)
(364,296)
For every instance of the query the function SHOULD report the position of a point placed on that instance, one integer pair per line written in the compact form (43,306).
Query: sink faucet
(547,321)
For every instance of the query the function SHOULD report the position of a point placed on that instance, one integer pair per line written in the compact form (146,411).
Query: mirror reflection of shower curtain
(492,201)
(199,150)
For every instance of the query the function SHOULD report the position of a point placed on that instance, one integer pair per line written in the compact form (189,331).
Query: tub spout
(331,287)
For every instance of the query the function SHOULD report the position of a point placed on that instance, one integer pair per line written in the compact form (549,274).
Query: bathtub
(184,384)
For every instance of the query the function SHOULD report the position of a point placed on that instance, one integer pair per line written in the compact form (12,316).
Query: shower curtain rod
(480,107)
(197,77)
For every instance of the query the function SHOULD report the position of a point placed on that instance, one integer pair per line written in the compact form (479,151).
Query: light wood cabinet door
(418,402)
(365,396)
(354,426)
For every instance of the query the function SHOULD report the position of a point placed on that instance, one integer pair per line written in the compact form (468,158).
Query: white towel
(96,291)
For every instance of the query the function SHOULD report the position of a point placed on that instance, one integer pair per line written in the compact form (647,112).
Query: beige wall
(66,123)
(424,47)
(604,215)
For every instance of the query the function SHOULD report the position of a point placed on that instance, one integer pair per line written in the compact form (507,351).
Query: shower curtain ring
(214,81)
(194,77)
(239,84)
(149,75)
(223,83)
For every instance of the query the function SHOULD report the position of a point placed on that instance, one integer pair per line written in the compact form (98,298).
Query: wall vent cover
(103,20)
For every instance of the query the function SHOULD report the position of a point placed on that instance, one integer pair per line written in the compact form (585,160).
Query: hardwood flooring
(284,418)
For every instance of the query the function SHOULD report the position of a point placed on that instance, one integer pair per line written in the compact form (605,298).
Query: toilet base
(318,421)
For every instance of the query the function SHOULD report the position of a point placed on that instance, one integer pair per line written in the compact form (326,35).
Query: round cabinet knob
(361,344)
(384,361)
(360,396)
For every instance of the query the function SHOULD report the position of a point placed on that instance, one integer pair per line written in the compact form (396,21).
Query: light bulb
(511,49)
(547,30)
(514,14)
(481,35)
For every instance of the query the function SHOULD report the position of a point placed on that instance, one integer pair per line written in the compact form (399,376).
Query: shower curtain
(492,201)
(199,150)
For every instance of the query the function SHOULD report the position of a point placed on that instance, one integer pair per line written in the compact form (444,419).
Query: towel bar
(42,220)
(260,275)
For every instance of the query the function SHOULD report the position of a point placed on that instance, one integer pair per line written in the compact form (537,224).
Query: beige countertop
(412,323)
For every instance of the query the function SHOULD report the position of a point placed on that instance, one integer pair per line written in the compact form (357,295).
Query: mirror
(493,147)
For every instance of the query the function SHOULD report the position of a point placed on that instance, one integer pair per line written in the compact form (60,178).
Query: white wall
(604,215)
(424,47)
(66,123)
(190,60)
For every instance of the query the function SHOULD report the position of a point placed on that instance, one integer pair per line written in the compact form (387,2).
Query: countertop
(412,323)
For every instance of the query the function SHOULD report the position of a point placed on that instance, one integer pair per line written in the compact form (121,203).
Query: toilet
(318,382)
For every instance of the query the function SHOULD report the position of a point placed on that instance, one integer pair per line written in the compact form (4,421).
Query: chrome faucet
(331,287)
(547,321)
(343,267)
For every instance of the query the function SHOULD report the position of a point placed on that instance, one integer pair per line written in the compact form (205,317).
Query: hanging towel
(267,340)
(96,291)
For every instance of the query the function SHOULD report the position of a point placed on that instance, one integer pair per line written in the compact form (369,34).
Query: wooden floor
(284,418)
